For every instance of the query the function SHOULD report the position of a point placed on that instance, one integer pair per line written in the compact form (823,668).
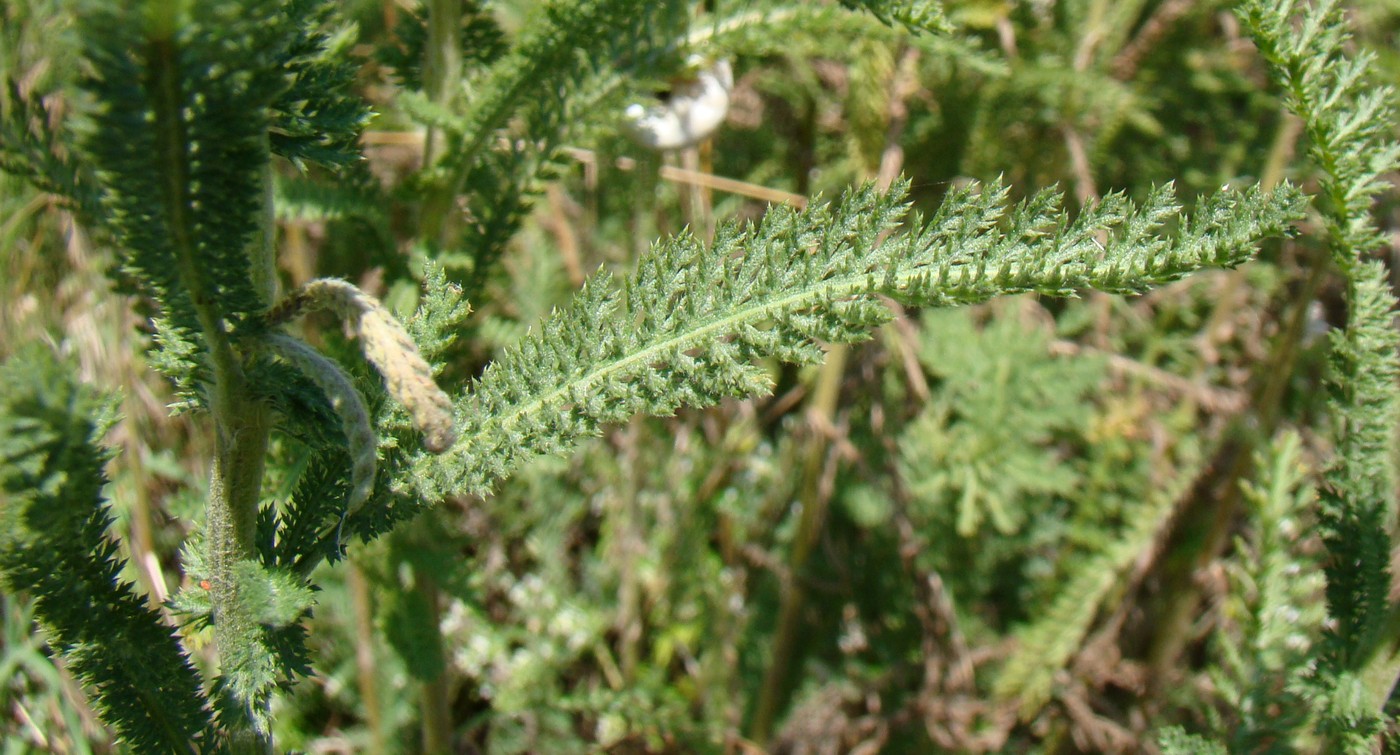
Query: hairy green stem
(241,425)
(171,143)
(442,73)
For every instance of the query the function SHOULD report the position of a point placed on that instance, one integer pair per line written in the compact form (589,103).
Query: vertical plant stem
(442,74)
(629,547)
(365,667)
(642,221)
(697,201)
(770,696)
(1282,150)
(436,696)
(1209,518)
(814,499)
(240,424)
(903,84)
(142,542)
(300,258)
(442,71)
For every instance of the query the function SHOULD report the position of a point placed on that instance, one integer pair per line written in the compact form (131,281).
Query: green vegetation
(962,392)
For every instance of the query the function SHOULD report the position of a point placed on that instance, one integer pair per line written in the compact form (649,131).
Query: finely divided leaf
(54,546)
(689,326)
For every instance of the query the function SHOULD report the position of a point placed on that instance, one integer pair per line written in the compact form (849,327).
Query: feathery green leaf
(54,546)
(688,326)
(1349,125)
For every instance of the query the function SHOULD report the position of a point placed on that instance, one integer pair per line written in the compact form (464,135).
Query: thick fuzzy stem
(240,423)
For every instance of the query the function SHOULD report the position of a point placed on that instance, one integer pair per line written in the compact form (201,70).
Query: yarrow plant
(195,126)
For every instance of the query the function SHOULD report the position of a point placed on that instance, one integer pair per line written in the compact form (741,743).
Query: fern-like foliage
(918,16)
(1346,117)
(1175,741)
(567,44)
(317,118)
(688,326)
(774,28)
(1273,602)
(300,198)
(186,106)
(572,55)
(187,111)
(482,42)
(1358,498)
(31,146)
(1348,121)
(1048,644)
(184,118)
(563,74)
(54,546)
(981,449)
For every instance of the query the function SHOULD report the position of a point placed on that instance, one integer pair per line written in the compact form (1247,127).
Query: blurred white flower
(693,111)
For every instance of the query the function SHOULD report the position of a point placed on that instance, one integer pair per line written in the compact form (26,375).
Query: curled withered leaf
(348,405)
(387,346)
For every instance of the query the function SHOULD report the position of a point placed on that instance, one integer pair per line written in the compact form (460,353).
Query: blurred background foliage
(1032,526)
